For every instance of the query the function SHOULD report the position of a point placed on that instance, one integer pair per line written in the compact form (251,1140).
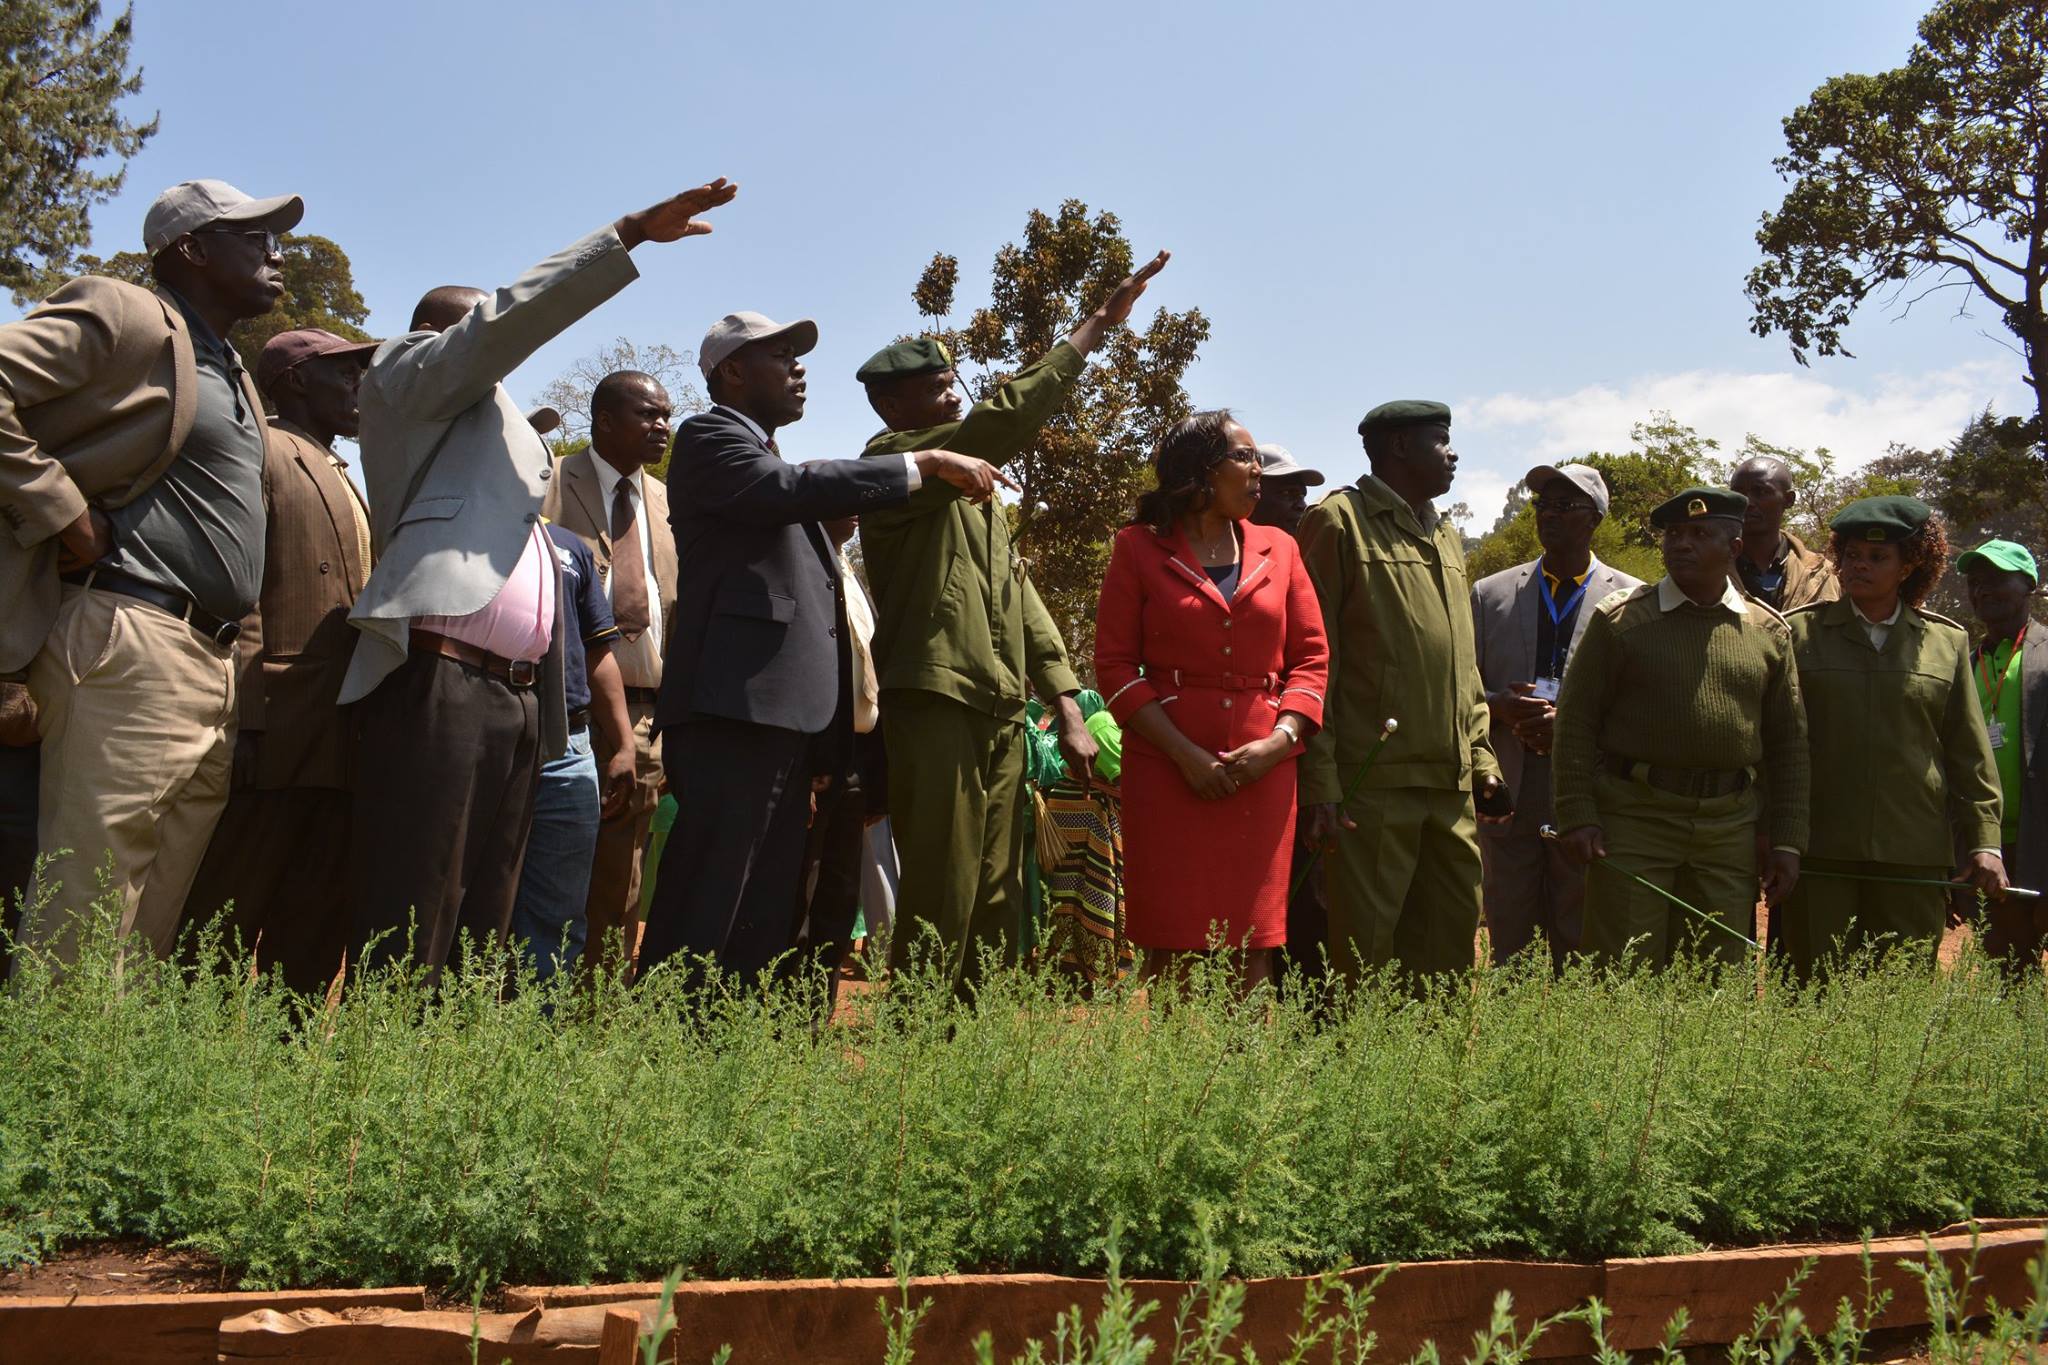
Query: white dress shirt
(639,660)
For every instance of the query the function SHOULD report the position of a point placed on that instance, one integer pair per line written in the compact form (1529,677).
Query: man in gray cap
(1525,621)
(1283,489)
(131,487)
(756,692)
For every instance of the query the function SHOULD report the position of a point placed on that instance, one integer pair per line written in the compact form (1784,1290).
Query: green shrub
(453,1135)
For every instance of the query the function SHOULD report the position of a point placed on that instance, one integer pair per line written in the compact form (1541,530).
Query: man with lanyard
(2011,665)
(1525,621)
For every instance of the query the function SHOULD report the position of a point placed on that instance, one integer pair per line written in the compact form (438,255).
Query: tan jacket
(575,501)
(295,646)
(97,389)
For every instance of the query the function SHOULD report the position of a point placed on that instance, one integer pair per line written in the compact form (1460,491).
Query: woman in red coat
(1209,646)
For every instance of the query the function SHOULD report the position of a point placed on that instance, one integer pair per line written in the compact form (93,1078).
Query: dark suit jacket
(2031,863)
(295,646)
(760,619)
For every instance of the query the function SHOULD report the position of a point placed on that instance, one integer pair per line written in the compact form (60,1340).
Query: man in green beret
(1402,850)
(961,638)
(2010,664)
(1679,727)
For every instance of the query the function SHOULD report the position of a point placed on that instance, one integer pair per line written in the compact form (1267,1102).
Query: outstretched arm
(1116,309)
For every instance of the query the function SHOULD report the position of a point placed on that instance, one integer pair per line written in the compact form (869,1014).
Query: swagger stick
(1550,832)
(2022,892)
(1386,733)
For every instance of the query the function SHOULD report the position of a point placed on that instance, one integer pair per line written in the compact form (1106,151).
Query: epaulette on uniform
(1614,600)
(1616,606)
(1944,620)
(1773,619)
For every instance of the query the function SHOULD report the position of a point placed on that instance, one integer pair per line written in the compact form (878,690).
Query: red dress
(1223,671)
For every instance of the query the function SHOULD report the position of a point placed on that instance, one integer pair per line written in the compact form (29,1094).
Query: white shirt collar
(752,425)
(1898,609)
(1670,596)
(608,478)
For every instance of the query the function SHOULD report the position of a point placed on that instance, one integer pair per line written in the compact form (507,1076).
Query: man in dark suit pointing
(756,694)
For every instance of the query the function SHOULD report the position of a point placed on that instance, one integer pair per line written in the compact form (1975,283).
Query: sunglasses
(1562,505)
(263,236)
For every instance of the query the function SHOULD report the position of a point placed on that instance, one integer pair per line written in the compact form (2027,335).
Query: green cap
(1700,504)
(919,355)
(1999,554)
(1405,412)
(1881,520)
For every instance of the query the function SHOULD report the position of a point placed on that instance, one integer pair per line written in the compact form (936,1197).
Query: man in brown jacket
(606,497)
(1775,567)
(280,852)
(131,469)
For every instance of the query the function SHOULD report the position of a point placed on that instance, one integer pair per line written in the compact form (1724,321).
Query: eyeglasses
(264,236)
(1239,455)
(1562,505)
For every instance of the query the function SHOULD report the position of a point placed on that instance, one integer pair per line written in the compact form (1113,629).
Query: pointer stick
(1549,832)
(1386,733)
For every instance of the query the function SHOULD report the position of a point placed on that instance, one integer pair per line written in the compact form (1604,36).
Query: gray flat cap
(1277,462)
(735,330)
(195,204)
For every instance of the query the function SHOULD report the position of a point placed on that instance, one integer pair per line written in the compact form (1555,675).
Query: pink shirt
(519,622)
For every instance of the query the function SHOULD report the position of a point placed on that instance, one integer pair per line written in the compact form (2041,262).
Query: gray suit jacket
(1504,607)
(454,472)
(2030,862)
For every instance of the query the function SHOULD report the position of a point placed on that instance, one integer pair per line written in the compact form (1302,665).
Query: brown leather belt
(1698,784)
(519,673)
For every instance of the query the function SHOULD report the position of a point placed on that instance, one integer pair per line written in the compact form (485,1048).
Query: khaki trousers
(1826,917)
(612,910)
(137,714)
(1404,885)
(1702,851)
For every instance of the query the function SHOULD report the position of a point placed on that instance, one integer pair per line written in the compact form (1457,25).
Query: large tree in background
(319,291)
(61,80)
(1081,479)
(569,392)
(1929,178)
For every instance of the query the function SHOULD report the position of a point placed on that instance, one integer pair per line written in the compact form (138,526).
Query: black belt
(1696,783)
(579,719)
(646,694)
(515,673)
(220,630)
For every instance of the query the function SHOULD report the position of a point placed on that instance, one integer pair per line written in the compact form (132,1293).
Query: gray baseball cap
(735,330)
(195,204)
(1584,476)
(1276,462)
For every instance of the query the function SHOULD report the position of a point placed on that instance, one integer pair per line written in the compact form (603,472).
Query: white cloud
(1501,436)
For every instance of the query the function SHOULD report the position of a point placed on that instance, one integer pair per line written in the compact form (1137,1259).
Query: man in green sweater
(1401,837)
(1679,735)
(960,637)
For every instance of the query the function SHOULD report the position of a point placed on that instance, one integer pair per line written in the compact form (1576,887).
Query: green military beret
(1405,412)
(1999,554)
(1881,519)
(1698,504)
(919,355)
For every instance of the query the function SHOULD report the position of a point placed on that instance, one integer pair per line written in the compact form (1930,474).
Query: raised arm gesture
(673,219)
(1116,309)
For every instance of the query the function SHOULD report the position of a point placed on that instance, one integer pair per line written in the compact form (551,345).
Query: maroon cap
(287,349)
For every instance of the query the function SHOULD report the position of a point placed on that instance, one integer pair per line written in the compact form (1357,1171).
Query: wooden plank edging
(173,1329)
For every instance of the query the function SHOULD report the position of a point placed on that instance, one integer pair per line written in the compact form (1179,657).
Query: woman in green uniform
(1903,773)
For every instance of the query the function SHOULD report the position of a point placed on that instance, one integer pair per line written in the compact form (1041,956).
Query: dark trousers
(447,762)
(1308,922)
(732,870)
(20,777)
(828,901)
(282,857)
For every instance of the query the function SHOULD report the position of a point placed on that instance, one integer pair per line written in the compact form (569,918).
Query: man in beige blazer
(457,666)
(605,496)
(131,466)
(280,851)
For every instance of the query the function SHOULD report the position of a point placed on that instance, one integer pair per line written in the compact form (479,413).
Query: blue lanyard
(1559,645)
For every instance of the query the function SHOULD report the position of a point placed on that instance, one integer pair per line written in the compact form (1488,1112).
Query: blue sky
(1541,214)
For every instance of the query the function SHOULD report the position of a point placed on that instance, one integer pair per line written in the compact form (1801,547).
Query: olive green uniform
(1906,769)
(960,637)
(1404,886)
(1677,727)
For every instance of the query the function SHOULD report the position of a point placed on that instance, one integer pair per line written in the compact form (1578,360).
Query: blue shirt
(586,616)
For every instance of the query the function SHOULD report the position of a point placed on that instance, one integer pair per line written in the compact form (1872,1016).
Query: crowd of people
(377,725)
